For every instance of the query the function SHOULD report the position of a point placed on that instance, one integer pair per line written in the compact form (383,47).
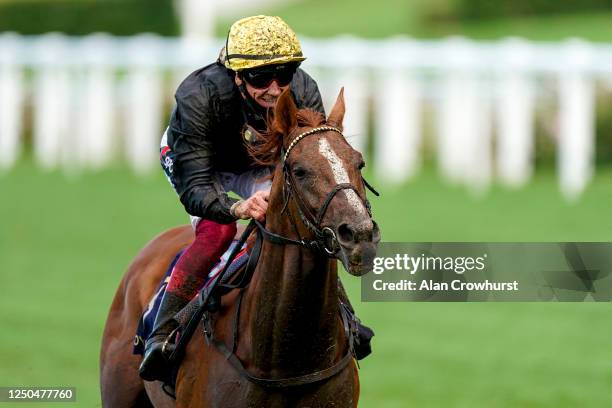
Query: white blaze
(340,175)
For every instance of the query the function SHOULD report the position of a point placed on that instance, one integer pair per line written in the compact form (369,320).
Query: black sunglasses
(263,77)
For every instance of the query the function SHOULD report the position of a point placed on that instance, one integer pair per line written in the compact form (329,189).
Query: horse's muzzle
(358,244)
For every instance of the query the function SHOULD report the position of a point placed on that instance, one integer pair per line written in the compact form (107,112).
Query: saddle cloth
(145,324)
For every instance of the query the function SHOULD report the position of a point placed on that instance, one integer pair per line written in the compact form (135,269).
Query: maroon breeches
(189,274)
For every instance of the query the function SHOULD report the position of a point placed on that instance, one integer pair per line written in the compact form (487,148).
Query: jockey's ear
(336,115)
(285,113)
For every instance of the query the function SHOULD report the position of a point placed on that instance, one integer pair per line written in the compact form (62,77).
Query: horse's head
(323,189)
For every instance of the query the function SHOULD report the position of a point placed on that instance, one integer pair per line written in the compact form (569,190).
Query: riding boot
(363,334)
(158,346)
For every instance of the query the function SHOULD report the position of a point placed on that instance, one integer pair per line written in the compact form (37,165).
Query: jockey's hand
(253,207)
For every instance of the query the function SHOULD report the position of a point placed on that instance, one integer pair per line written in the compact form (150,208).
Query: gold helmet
(261,40)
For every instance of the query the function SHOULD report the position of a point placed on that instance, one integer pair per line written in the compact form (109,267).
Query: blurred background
(480,121)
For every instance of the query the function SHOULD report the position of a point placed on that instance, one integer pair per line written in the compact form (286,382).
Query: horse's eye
(361,165)
(299,172)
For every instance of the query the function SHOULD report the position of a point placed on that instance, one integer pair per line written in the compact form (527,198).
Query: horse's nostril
(345,234)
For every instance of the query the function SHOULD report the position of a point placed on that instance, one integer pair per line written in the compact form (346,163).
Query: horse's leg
(120,384)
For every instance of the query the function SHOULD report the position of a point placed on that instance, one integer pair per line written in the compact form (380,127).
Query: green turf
(66,241)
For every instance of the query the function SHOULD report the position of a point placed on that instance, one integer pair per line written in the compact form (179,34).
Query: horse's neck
(293,303)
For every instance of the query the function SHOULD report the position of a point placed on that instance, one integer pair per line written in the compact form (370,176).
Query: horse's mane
(267,152)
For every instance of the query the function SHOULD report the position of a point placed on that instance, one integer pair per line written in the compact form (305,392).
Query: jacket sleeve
(190,137)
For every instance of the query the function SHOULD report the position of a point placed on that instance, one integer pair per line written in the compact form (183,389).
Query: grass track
(65,243)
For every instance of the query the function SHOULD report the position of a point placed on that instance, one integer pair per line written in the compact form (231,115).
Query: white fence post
(451,129)
(197,17)
(355,83)
(97,125)
(143,117)
(464,136)
(576,139)
(398,121)
(11,100)
(51,100)
(350,74)
(515,112)
(479,163)
(189,54)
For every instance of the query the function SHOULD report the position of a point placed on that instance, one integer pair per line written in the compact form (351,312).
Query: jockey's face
(266,85)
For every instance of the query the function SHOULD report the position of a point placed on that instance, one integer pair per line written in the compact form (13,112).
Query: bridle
(325,240)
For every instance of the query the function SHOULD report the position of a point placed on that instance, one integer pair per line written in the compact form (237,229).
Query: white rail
(99,97)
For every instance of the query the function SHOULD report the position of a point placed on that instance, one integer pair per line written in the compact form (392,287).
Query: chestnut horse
(286,325)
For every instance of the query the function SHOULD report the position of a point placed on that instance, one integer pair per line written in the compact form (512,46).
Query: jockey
(204,156)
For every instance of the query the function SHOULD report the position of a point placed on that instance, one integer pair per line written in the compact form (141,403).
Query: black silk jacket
(205,135)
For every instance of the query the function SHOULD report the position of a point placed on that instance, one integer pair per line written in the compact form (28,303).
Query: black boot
(154,364)
(364,334)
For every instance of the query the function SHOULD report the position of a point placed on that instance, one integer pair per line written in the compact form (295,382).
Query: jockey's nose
(349,235)
(274,89)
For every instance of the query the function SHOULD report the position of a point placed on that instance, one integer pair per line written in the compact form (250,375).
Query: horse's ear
(285,113)
(336,115)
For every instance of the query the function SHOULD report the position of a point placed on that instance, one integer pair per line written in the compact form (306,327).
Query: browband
(308,133)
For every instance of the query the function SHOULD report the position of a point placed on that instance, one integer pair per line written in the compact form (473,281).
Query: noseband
(325,237)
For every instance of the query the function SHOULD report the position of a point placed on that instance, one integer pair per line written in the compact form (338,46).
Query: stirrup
(164,349)
(157,365)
